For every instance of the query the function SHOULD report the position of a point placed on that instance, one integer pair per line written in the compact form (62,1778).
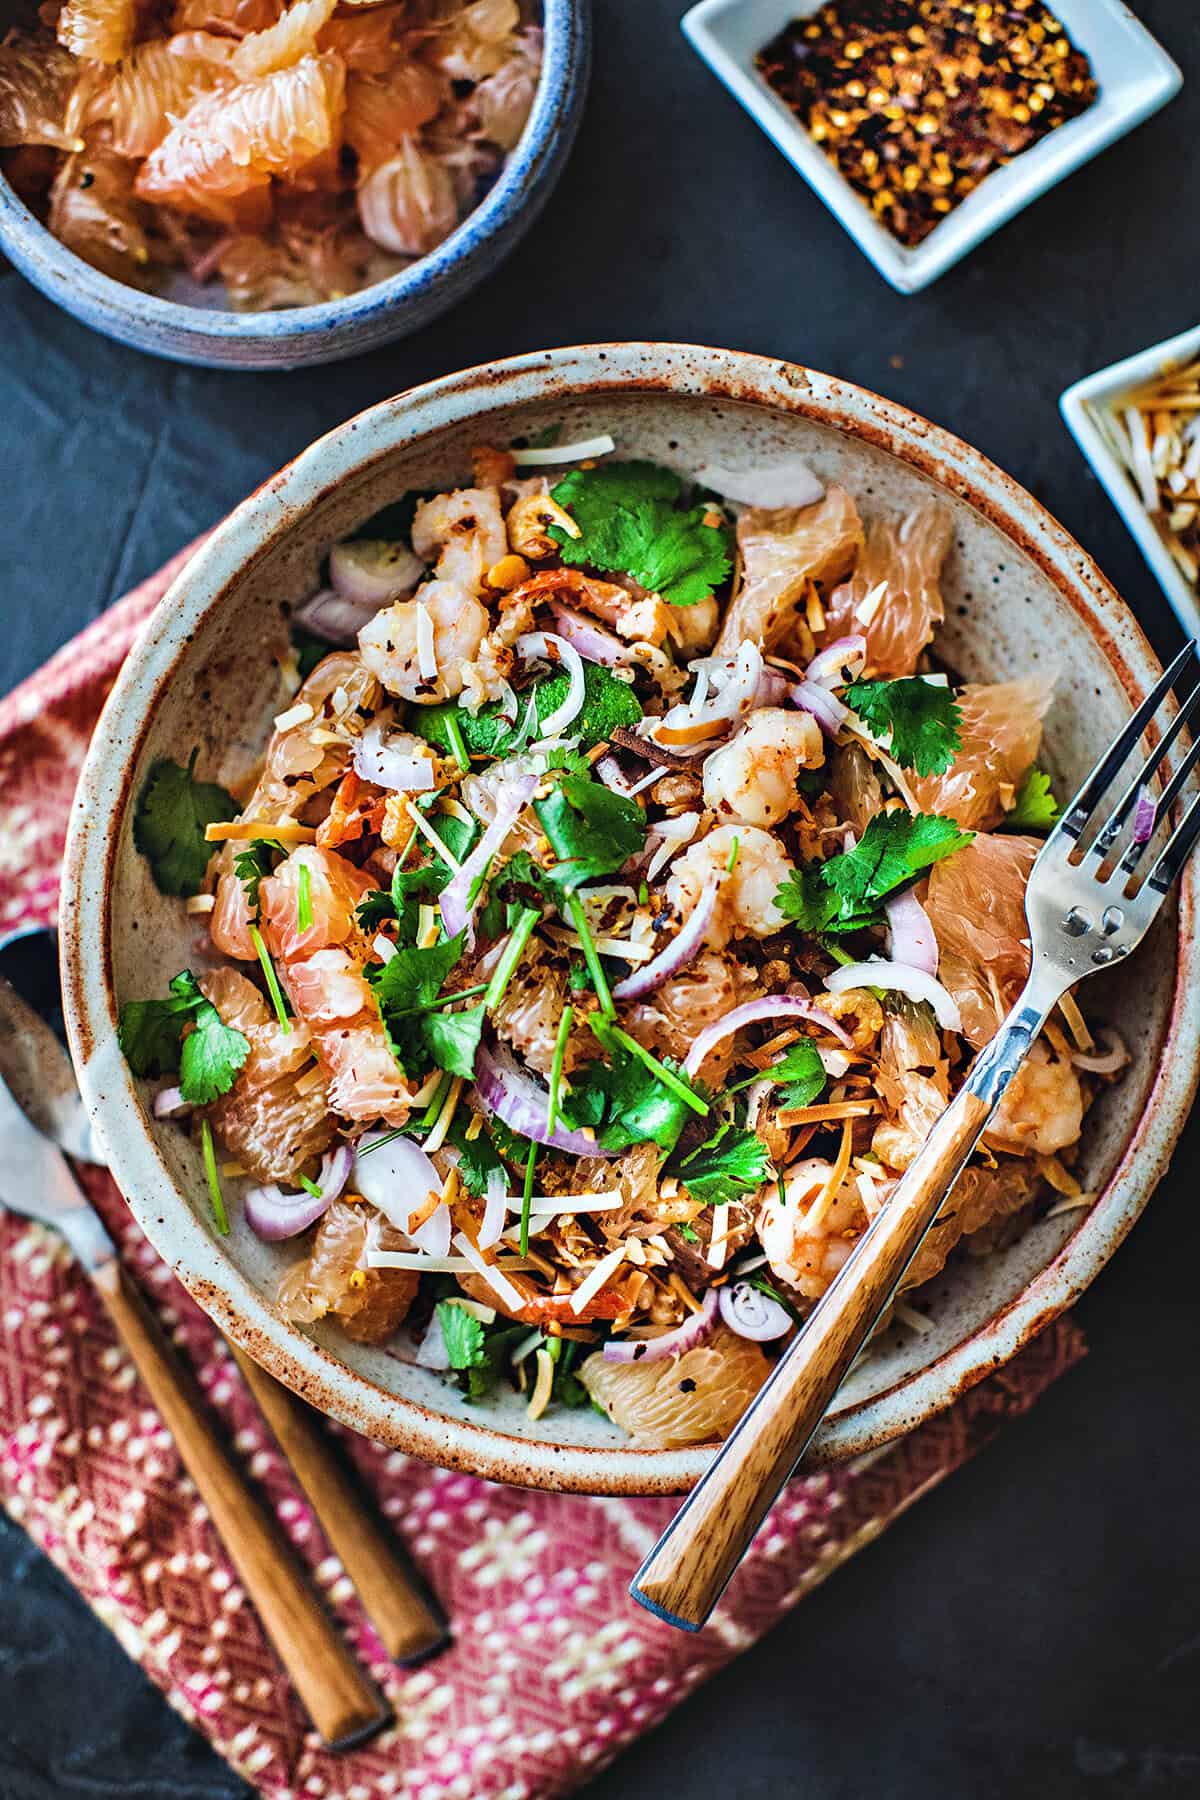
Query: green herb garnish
(846,892)
(208,1150)
(208,1060)
(608,704)
(251,864)
(304,912)
(168,824)
(271,979)
(629,520)
(922,717)
(799,1073)
(725,1166)
(1035,808)
(592,831)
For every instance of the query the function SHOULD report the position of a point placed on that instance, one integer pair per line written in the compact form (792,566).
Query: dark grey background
(1033,1628)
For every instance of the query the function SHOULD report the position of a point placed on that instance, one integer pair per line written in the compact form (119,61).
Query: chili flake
(917,101)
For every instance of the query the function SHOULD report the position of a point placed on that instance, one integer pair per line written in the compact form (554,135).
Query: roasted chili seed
(917,101)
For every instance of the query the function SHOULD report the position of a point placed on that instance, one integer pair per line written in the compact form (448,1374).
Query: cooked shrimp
(391,642)
(753,777)
(463,534)
(1042,1112)
(746,904)
(807,1259)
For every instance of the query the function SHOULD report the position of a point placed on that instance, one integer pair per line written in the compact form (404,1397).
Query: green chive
(556,1067)
(835,950)
(467,993)
(273,987)
(457,743)
(310,1187)
(220,1216)
(782,1191)
(731,864)
(591,956)
(513,950)
(428,1118)
(669,1079)
(764,1287)
(389,1137)
(304,899)
(527,1197)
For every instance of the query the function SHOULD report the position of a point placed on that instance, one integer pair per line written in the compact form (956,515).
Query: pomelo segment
(976,904)
(383,110)
(898,623)
(98,30)
(266,1123)
(369,1304)
(157,82)
(1001,735)
(284,43)
(689,1399)
(782,549)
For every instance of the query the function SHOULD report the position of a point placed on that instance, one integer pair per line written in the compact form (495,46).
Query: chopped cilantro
(629,520)
(452,1039)
(608,704)
(566,1387)
(922,718)
(168,824)
(531,1157)
(591,830)
(632,1098)
(725,1166)
(845,893)
(799,1073)
(404,986)
(478,1353)
(687,1234)
(768,1288)
(1035,808)
(477,1157)
(375,909)
(462,1334)
(208,1059)
(252,863)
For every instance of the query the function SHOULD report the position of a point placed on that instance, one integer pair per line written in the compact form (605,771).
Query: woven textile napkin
(558,1669)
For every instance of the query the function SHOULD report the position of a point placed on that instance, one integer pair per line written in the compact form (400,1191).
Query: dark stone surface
(1033,1628)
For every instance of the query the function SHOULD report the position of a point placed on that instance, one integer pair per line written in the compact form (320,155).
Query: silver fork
(1086,912)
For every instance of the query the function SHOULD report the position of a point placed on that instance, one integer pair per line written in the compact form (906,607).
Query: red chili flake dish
(917,101)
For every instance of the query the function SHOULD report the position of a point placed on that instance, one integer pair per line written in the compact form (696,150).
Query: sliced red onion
(169,1103)
(911,936)
(781,1007)
(335,1170)
(773,688)
(1104,1062)
(786,480)
(372,572)
(825,707)
(393,764)
(591,640)
(397,1178)
(900,978)
(753,1314)
(456,902)
(495,1211)
(683,948)
(274,1215)
(432,1352)
(539,643)
(846,655)
(696,1329)
(726,689)
(1145,816)
(331,616)
(521,1103)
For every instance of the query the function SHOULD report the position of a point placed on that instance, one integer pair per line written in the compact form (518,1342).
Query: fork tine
(1135,852)
(1116,820)
(1179,848)
(1075,820)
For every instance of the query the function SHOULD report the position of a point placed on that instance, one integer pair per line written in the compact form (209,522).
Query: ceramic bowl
(1135,75)
(1085,407)
(1021,594)
(300,336)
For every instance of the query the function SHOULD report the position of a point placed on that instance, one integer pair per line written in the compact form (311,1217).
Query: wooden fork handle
(390,1591)
(342,1702)
(685,1574)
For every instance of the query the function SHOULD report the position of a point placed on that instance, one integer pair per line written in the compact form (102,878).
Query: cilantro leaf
(629,521)
(375,909)
(168,824)
(463,1335)
(403,986)
(845,893)
(452,1038)
(252,863)
(478,1158)
(208,1059)
(799,1074)
(608,704)
(478,1353)
(922,717)
(727,1165)
(1035,808)
(591,830)
(624,1101)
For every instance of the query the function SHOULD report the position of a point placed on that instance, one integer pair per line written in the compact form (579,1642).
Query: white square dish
(1082,406)
(1136,78)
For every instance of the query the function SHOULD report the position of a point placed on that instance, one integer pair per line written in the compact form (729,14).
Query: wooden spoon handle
(685,1574)
(342,1702)
(389,1589)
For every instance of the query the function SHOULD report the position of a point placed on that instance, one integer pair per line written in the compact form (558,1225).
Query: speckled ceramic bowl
(1021,594)
(299,336)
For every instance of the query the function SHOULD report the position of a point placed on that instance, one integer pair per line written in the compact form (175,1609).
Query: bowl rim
(188,1246)
(1150,79)
(111,303)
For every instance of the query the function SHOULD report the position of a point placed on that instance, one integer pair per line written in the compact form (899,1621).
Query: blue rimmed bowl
(297,337)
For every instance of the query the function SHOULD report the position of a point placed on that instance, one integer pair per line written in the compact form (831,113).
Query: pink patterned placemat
(556,1670)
